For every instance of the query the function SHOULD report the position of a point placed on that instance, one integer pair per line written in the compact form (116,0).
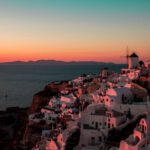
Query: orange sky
(68,51)
(79,30)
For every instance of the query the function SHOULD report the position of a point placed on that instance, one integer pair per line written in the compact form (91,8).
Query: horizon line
(69,61)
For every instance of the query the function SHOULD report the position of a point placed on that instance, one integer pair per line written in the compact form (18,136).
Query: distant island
(57,62)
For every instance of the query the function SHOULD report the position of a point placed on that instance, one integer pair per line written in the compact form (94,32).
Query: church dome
(111,92)
(118,92)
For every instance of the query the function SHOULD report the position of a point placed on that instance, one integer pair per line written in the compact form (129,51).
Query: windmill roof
(134,55)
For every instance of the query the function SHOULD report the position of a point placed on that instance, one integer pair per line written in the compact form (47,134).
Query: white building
(134,74)
(147,64)
(131,74)
(78,81)
(68,98)
(95,123)
(96,96)
(117,96)
(49,117)
(133,61)
(54,102)
(140,139)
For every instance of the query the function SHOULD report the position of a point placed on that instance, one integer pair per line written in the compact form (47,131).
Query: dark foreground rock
(12,126)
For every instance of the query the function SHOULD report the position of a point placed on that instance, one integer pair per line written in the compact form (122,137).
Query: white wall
(135,109)
(133,62)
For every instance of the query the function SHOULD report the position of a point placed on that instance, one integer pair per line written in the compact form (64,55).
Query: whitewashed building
(95,123)
(116,95)
(140,139)
(147,64)
(133,61)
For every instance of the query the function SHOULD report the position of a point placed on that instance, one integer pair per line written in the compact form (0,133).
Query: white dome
(118,92)
(111,92)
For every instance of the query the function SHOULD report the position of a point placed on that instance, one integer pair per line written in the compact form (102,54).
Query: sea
(18,83)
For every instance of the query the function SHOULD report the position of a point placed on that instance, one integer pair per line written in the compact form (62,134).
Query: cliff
(32,133)
(42,98)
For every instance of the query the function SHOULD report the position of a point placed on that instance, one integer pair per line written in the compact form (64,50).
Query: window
(109,114)
(109,125)
(100,139)
(92,138)
(96,125)
(92,122)
(100,123)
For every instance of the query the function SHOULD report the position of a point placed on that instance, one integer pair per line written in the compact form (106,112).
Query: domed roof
(111,92)
(117,92)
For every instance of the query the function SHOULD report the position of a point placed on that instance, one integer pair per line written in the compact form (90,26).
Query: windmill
(127,56)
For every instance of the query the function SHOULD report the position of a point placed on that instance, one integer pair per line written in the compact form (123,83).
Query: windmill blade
(127,55)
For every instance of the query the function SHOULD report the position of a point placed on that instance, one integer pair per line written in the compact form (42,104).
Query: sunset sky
(98,30)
